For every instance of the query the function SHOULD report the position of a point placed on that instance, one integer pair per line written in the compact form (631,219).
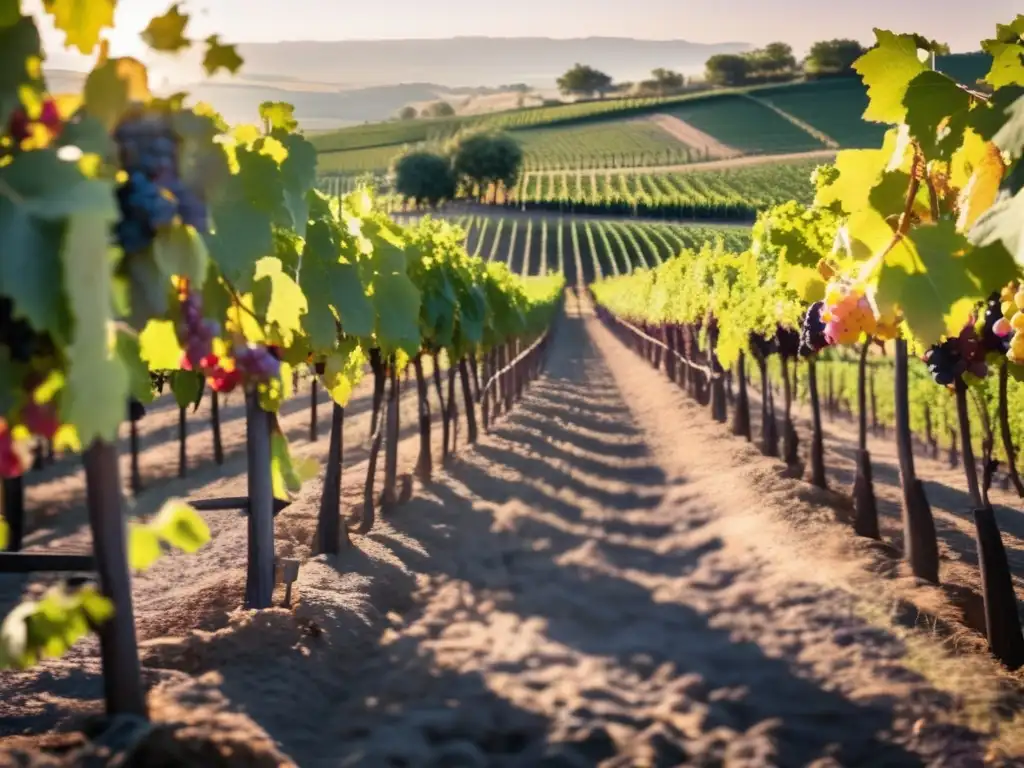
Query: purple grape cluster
(812,331)
(154,194)
(956,356)
(257,363)
(196,334)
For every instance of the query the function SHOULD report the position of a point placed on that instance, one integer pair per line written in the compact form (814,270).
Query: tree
(582,80)
(407,113)
(833,57)
(728,69)
(438,109)
(776,57)
(485,159)
(425,178)
(666,81)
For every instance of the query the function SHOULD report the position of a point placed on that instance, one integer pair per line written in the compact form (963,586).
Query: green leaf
(159,347)
(19,45)
(859,171)
(937,281)
(82,21)
(178,524)
(1007,63)
(219,56)
(143,547)
(42,186)
(129,352)
(30,269)
(1003,223)
(113,86)
(343,370)
(278,116)
(887,71)
(180,250)
(167,33)
(396,301)
(930,99)
(242,235)
(285,479)
(97,382)
(187,386)
(279,298)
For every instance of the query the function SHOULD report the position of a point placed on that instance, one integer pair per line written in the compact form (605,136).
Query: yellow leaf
(143,547)
(219,56)
(181,526)
(982,189)
(3,533)
(159,347)
(167,33)
(114,85)
(81,20)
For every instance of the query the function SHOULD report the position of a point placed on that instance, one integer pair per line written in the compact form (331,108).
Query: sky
(798,22)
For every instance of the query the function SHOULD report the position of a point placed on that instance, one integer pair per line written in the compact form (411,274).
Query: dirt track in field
(606,579)
(693,137)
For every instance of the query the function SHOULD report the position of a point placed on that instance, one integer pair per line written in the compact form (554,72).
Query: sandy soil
(607,579)
(693,137)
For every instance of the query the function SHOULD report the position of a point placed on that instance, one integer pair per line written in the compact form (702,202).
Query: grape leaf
(278,298)
(30,267)
(1007,63)
(981,190)
(159,346)
(343,370)
(1003,223)
(220,56)
(19,44)
(167,33)
(887,71)
(931,99)
(936,282)
(1010,136)
(129,351)
(178,524)
(97,383)
(44,186)
(278,116)
(859,171)
(187,386)
(82,21)
(143,547)
(180,250)
(396,301)
(242,235)
(114,85)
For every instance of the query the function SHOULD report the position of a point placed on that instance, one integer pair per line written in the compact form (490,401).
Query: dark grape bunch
(154,194)
(257,363)
(996,332)
(21,339)
(788,342)
(762,346)
(956,356)
(812,331)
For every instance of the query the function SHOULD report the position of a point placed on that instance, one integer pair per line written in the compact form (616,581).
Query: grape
(995,333)
(956,356)
(942,361)
(762,347)
(788,342)
(812,331)
(847,314)
(196,334)
(257,363)
(11,463)
(154,196)
(40,418)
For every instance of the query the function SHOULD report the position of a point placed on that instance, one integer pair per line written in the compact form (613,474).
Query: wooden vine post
(920,545)
(331,535)
(1002,625)
(259,585)
(391,439)
(119,651)
(313,395)
(865,521)
(467,396)
(182,439)
(1004,431)
(12,507)
(818,477)
(741,413)
(218,445)
(425,462)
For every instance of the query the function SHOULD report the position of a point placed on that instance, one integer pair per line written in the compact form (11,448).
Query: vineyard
(293,474)
(583,249)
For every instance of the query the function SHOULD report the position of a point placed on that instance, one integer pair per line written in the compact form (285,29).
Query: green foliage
(583,80)
(425,178)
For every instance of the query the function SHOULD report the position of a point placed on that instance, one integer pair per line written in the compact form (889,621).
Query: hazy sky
(798,22)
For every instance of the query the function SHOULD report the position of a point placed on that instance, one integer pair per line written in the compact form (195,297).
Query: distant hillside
(475,61)
(334,84)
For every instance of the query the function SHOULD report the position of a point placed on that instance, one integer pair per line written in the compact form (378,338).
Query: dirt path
(607,579)
(705,143)
(713,165)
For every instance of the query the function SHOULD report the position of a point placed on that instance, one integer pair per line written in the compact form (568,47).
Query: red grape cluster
(21,125)
(196,335)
